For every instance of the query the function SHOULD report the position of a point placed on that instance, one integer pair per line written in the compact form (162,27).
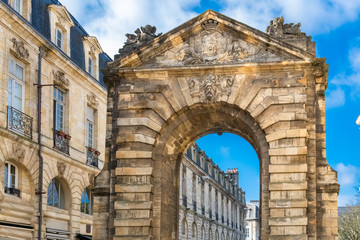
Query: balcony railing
(92,158)
(184,200)
(12,191)
(61,142)
(19,122)
(194,206)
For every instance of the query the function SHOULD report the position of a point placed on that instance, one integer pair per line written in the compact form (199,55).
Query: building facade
(52,121)
(212,206)
(253,220)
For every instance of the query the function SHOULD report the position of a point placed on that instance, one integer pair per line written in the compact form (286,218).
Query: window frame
(58,30)
(8,173)
(20,6)
(60,191)
(89,196)
(91,66)
(90,127)
(59,102)
(13,63)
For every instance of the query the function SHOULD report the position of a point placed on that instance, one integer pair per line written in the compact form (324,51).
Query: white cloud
(345,200)
(115,18)
(335,98)
(347,174)
(225,152)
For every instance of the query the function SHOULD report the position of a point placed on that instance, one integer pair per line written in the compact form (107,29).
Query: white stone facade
(211,205)
(252,220)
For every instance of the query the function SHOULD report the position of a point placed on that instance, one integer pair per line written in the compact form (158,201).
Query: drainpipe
(41,167)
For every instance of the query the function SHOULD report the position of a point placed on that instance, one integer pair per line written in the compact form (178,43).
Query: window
(91,66)
(11,179)
(184,227)
(194,231)
(89,127)
(55,194)
(59,109)
(17,5)
(16,88)
(86,201)
(59,38)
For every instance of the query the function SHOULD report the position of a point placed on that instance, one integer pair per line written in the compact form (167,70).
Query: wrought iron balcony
(92,157)
(203,210)
(12,191)
(19,122)
(194,206)
(184,200)
(61,141)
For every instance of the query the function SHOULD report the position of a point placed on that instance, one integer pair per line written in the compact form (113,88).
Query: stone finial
(92,101)
(140,38)
(61,168)
(278,28)
(19,49)
(60,79)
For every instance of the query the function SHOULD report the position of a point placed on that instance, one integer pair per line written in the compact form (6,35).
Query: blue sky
(334,26)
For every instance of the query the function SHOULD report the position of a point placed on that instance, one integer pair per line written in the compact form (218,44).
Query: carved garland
(19,49)
(211,87)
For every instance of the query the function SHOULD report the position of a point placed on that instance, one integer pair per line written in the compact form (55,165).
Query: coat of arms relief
(215,46)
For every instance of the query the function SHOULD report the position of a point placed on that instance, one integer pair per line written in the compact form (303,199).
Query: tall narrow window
(86,201)
(90,127)
(59,109)
(91,66)
(17,5)
(11,179)
(59,38)
(16,88)
(55,194)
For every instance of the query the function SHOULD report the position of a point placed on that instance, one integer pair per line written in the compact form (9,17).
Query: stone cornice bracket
(61,167)
(210,88)
(91,179)
(19,49)
(92,101)
(60,79)
(210,24)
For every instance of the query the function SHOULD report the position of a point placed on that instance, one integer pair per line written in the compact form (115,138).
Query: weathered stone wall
(274,99)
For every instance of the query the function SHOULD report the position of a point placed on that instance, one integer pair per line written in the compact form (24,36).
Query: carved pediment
(62,14)
(211,38)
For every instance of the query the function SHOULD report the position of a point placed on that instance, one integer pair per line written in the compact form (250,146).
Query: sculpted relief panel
(214,46)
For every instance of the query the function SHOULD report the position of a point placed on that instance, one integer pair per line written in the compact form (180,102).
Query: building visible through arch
(213,74)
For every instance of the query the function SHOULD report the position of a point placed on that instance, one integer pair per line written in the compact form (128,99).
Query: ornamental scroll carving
(60,79)
(18,153)
(92,101)
(91,179)
(19,49)
(278,28)
(210,88)
(215,46)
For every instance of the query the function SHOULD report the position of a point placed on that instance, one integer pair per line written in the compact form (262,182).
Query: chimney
(233,174)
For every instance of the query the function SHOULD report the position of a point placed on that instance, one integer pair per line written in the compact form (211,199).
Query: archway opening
(219,188)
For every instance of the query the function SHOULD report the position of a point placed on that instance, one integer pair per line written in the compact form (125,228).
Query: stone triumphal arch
(210,75)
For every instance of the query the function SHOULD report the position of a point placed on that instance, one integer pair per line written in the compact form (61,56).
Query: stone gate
(211,75)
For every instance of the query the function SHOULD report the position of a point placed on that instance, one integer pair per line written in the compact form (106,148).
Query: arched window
(11,179)
(194,231)
(86,201)
(55,194)
(184,227)
(203,232)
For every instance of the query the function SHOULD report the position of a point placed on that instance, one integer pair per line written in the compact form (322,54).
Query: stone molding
(19,49)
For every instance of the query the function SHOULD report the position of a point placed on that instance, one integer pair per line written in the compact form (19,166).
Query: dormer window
(92,50)
(91,67)
(18,6)
(60,25)
(59,38)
